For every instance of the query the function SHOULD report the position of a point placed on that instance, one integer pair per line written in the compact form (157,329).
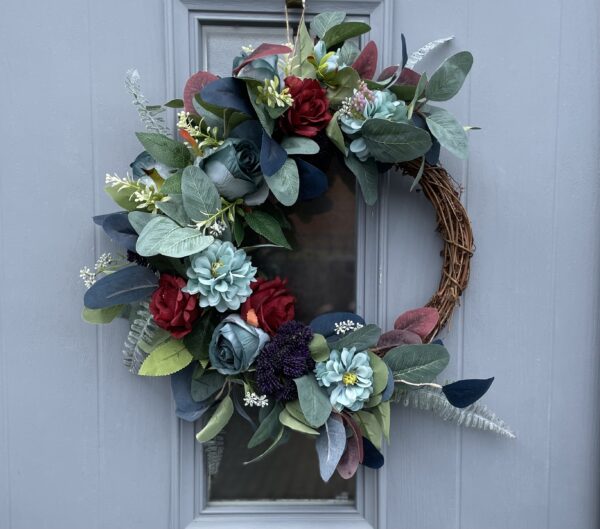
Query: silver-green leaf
(200,196)
(448,131)
(367,175)
(314,401)
(285,183)
(448,79)
(417,363)
(326,20)
(395,142)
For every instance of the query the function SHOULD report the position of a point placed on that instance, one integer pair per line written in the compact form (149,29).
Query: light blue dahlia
(348,378)
(221,275)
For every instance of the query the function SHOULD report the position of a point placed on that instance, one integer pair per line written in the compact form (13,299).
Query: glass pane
(322,275)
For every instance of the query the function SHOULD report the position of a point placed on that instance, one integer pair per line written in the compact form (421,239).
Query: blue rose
(235,170)
(235,345)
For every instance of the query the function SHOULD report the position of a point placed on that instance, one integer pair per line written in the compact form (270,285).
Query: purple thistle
(284,358)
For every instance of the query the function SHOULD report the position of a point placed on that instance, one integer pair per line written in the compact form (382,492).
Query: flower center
(349,379)
(214,269)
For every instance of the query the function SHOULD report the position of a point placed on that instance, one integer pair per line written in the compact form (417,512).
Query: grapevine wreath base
(196,212)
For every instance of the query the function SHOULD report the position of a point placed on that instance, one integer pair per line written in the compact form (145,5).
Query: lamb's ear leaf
(330,446)
(463,393)
(217,422)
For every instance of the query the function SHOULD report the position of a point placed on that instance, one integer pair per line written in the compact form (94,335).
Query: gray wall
(85,444)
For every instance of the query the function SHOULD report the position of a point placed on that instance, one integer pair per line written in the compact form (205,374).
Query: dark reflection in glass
(322,275)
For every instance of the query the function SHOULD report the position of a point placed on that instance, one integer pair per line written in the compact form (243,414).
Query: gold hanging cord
(292,4)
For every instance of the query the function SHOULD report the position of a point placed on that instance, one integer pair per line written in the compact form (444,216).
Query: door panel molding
(188,25)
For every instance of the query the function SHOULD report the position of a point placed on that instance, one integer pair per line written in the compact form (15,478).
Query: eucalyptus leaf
(122,197)
(448,79)
(383,415)
(267,226)
(344,31)
(325,21)
(285,183)
(342,84)
(139,219)
(166,359)
(172,185)
(380,373)
(165,150)
(173,208)
(294,424)
(334,133)
(448,131)
(362,338)
(299,145)
(313,399)
(417,363)
(367,175)
(201,198)
(206,385)
(370,427)
(102,316)
(268,428)
(394,142)
(217,422)
(348,53)
(330,446)
(164,236)
(319,350)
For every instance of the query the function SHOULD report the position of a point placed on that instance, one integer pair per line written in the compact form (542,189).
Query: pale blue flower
(221,276)
(348,377)
(235,345)
(327,62)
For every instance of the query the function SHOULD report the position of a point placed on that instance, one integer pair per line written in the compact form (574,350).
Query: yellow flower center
(349,379)
(214,269)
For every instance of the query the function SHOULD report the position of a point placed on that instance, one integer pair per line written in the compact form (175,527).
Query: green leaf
(206,385)
(139,219)
(101,316)
(304,48)
(172,185)
(293,424)
(380,373)
(199,339)
(334,133)
(370,427)
(362,338)
(267,226)
(174,103)
(299,145)
(166,359)
(165,150)
(448,79)
(394,142)
(269,427)
(267,122)
(314,401)
(281,437)
(382,414)
(164,236)
(285,183)
(344,31)
(341,85)
(421,85)
(419,174)
(348,53)
(200,196)
(417,363)
(325,21)
(295,410)
(217,422)
(367,175)
(238,231)
(122,197)
(174,209)
(319,350)
(449,132)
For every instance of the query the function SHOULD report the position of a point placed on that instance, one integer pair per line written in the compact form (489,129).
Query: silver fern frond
(144,335)
(473,416)
(421,53)
(149,114)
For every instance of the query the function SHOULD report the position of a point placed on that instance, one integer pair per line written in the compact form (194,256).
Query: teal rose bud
(348,378)
(235,345)
(235,170)
(221,276)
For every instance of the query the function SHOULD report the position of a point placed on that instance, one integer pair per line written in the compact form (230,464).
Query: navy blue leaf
(119,229)
(313,181)
(433,155)
(465,392)
(144,160)
(228,92)
(251,129)
(272,155)
(373,458)
(389,388)
(438,342)
(127,285)
(186,407)
(404,51)
(241,411)
(325,323)
(99,219)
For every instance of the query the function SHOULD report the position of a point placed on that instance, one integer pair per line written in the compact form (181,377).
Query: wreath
(195,211)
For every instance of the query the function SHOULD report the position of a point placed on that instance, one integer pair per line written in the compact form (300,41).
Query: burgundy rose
(310,111)
(270,305)
(174,310)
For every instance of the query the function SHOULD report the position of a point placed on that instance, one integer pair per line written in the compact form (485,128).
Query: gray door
(85,444)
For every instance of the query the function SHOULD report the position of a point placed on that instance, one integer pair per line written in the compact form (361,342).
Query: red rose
(310,111)
(269,306)
(174,310)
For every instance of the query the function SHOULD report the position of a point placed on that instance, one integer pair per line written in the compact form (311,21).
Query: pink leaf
(408,77)
(264,50)
(357,433)
(194,84)
(366,63)
(386,73)
(395,338)
(350,459)
(419,321)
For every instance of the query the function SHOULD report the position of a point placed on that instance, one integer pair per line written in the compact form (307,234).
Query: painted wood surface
(85,444)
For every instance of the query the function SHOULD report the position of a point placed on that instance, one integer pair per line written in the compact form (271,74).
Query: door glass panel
(322,275)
